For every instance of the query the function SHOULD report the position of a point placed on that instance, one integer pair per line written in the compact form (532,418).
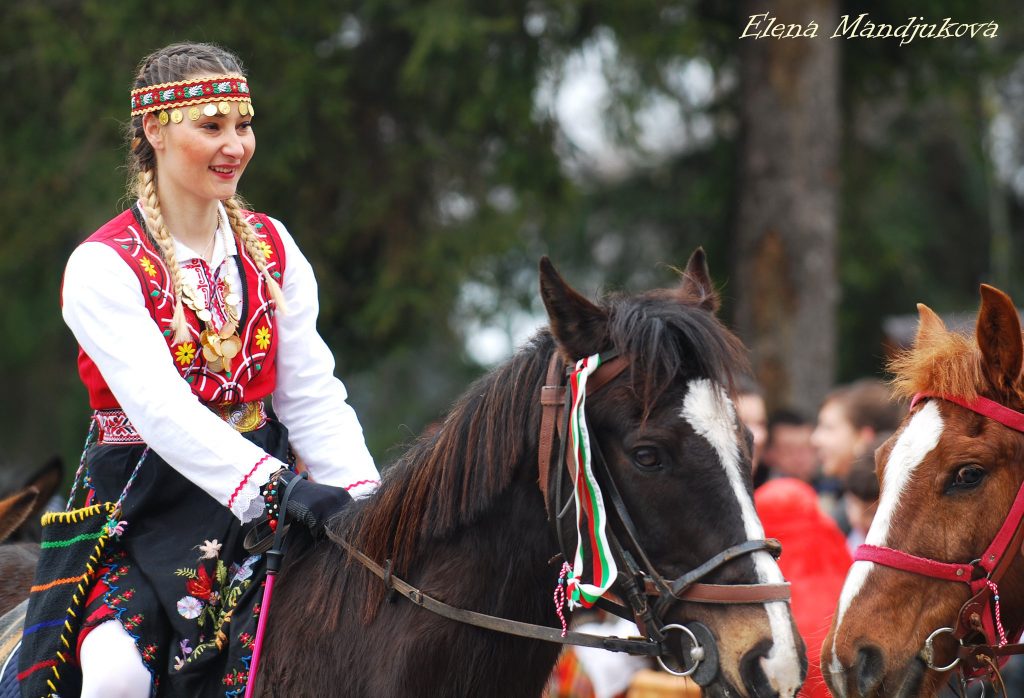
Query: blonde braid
(247,235)
(155,220)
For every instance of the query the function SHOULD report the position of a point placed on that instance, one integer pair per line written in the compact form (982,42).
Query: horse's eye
(967,477)
(647,457)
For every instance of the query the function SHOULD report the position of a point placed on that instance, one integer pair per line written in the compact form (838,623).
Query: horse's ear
(929,327)
(696,285)
(999,339)
(46,481)
(15,510)
(580,328)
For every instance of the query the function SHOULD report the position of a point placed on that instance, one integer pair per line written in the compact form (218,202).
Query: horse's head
(667,444)
(949,477)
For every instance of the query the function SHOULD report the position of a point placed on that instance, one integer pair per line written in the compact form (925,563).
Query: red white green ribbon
(593,570)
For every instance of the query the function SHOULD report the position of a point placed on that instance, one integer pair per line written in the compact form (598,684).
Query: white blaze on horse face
(919,438)
(712,416)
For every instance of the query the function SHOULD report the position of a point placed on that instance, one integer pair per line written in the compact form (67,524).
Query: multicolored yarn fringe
(593,570)
(73,543)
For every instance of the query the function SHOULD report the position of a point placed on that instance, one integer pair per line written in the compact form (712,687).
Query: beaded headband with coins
(204,97)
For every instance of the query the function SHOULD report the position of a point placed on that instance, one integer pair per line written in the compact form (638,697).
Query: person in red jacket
(814,559)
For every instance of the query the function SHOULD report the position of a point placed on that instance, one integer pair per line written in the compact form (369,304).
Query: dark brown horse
(940,586)
(462,517)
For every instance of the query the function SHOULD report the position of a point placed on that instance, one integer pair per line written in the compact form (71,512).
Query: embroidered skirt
(179,579)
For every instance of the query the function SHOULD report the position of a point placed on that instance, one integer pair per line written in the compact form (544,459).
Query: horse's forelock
(668,341)
(947,365)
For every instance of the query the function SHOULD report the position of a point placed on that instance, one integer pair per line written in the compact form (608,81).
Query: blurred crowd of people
(833,452)
(816,491)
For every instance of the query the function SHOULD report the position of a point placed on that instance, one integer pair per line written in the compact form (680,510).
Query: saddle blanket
(10,640)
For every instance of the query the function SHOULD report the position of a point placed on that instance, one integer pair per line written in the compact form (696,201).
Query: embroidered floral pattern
(186,650)
(147,265)
(212,592)
(116,599)
(201,585)
(190,607)
(265,247)
(185,352)
(236,679)
(240,573)
(263,338)
(210,549)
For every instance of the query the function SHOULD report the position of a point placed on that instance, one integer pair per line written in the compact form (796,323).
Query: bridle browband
(638,585)
(980,615)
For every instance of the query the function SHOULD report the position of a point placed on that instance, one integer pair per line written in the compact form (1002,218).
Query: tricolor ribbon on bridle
(593,570)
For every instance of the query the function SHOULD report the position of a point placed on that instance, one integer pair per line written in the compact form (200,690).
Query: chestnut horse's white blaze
(919,438)
(712,416)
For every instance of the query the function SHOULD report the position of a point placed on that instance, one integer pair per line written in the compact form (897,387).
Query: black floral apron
(179,578)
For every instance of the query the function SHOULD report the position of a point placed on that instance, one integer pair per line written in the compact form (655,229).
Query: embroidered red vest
(253,372)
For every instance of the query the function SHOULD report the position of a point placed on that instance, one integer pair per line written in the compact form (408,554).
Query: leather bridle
(638,585)
(980,616)
(648,593)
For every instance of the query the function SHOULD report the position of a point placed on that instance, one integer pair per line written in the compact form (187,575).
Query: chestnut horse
(939,584)
(477,515)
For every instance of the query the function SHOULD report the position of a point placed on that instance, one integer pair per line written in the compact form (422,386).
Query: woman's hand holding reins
(309,503)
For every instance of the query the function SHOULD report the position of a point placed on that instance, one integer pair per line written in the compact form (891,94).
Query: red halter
(983,574)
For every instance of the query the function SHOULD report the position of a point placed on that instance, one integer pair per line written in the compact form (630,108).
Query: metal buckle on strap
(243,416)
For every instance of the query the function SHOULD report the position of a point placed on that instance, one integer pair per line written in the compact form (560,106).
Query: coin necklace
(222,345)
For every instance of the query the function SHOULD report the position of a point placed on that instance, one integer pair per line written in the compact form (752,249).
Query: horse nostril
(754,679)
(869,669)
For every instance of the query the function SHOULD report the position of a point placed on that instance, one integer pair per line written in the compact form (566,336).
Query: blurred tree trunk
(787,219)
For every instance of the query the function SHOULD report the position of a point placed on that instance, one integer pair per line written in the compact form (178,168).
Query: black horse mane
(453,474)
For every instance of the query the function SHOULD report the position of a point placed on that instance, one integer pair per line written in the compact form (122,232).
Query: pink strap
(953,572)
(261,627)
(995,551)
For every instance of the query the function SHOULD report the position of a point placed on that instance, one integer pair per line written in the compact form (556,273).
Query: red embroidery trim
(361,482)
(261,461)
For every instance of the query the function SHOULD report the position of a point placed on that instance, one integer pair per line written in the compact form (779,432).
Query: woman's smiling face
(203,159)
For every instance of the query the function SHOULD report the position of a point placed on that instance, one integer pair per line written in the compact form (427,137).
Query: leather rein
(980,615)
(636,585)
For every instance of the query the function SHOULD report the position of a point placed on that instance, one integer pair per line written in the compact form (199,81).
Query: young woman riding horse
(939,585)
(656,506)
(481,516)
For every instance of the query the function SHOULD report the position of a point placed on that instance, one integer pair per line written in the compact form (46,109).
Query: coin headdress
(204,97)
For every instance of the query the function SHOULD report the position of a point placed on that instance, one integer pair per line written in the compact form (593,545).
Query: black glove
(311,503)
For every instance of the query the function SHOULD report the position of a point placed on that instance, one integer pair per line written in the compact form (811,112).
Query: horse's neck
(497,565)
(501,560)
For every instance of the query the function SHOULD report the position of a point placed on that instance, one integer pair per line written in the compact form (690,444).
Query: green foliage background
(402,144)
